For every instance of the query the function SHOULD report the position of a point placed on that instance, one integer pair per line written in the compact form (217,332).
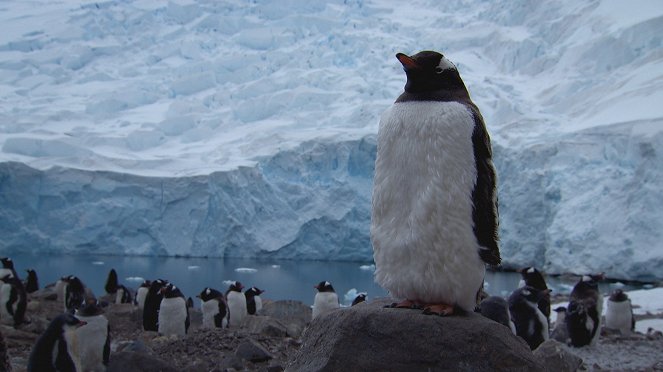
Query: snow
(246,129)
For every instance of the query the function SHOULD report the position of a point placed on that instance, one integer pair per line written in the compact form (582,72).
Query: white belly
(172,316)
(421,224)
(141,293)
(324,302)
(5,293)
(258,301)
(619,316)
(209,309)
(88,343)
(237,308)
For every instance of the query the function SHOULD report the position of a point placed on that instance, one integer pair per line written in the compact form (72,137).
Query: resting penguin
(325,300)
(236,304)
(434,209)
(141,293)
(13,301)
(583,314)
(51,351)
(253,300)
(531,324)
(111,282)
(92,342)
(151,306)
(497,308)
(214,308)
(123,295)
(533,278)
(173,312)
(32,282)
(619,313)
(361,297)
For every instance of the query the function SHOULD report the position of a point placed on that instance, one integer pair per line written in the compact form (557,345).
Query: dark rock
(253,352)
(127,361)
(557,356)
(231,362)
(294,315)
(373,338)
(4,357)
(265,325)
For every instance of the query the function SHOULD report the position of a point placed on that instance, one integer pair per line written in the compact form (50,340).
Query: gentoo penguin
(434,209)
(534,278)
(91,344)
(59,288)
(361,297)
(583,314)
(173,312)
(189,302)
(236,304)
(7,267)
(141,293)
(13,300)
(559,332)
(74,293)
(325,300)
(32,282)
(214,308)
(123,295)
(619,313)
(111,282)
(151,306)
(253,300)
(497,308)
(531,324)
(51,351)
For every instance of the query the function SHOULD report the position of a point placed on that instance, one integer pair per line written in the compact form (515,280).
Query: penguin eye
(526,292)
(438,70)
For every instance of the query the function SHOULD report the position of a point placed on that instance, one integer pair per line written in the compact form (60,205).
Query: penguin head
(324,286)
(67,322)
(618,296)
(236,286)
(155,286)
(429,71)
(533,278)
(528,294)
(171,291)
(90,307)
(209,294)
(254,291)
(590,281)
(7,263)
(361,297)
(146,284)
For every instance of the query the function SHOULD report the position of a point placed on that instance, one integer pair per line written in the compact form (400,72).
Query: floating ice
(98,263)
(193,267)
(246,270)
(135,279)
(367,267)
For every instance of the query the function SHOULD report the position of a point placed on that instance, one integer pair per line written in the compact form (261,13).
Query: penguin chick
(51,352)
(531,324)
(325,300)
(559,332)
(534,278)
(619,313)
(497,308)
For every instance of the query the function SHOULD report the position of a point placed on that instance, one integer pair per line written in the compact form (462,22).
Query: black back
(523,307)
(74,293)
(211,294)
(324,286)
(577,313)
(534,278)
(43,357)
(18,299)
(127,296)
(32,282)
(250,299)
(111,282)
(359,299)
(151,308)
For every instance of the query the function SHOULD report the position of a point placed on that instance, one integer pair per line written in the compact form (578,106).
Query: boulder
(253,352)
(294,315)
(557,357)
(127,361)
(372,337)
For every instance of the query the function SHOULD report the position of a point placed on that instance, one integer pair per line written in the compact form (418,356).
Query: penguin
(51,351)
(91,344)
(531,324)
(497,308)
(141,293)
(236,304)
(173,312)
(189,303)
(13,300)
(7,267)
(361,297)
(111,282)
(31,282)
(583,314)
(74,293)
(151,305)
(559,332)
(434,219)
(253,300)
(214,308)
(325,300)
(619,313)
(59,288)
(123,295)
(534,278)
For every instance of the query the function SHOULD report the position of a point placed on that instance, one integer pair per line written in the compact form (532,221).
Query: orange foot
(406,304)
(438,309)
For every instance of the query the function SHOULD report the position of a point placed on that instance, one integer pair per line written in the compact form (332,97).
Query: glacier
(247,129)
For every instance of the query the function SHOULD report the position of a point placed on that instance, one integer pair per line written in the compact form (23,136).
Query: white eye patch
(444,64)
(531,270)
(208,291)
(526,292)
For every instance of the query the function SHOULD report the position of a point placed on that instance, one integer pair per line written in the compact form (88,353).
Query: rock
(294,315)
(231,362)
(137,346)
(127,361)
(4,357)
(265,325)
(556,356)
(253,352)
(372,337)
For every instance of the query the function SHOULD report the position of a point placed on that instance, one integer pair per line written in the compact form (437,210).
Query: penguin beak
(82,323)
(407,62)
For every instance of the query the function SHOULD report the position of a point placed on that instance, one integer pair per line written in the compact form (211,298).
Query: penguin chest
(89,342)
(619,315)
(237,308)
(422,226)
(258,302)
(324,302)
(172,316)
(140,297)
(209,309)
(5,304)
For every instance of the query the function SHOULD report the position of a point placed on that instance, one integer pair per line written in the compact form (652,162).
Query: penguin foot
(438,309)
(405,304)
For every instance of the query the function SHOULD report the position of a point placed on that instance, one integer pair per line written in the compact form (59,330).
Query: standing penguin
(141,293)
(59,288)
(32,282)
(74,293)
(534,278)
(434,210)
(325,300)
(236,304)
(214,308)
(619,313)
(91,349)
(253,300)
(111,282)
(497,308)
(13,301)
(151,306)
(51,352)
(583,314)
(531,324)
(173,312)
(123,295)
(7,267)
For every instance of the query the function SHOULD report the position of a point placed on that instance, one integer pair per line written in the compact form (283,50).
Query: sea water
(281,280)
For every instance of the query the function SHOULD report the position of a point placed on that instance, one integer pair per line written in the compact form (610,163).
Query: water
(292,280)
